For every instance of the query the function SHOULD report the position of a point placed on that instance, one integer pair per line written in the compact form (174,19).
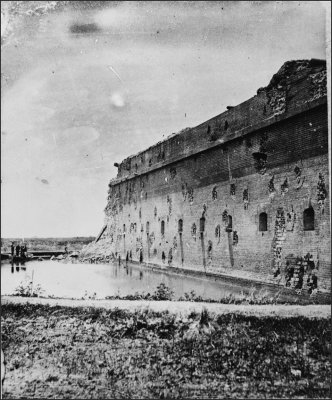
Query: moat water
(78,280)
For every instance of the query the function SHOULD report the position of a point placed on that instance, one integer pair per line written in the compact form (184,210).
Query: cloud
(77,134)
(44,181)
(84,28)
(25,99)
(117,100)
(68,93)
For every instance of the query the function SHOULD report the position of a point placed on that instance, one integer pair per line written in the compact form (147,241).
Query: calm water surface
(74,280)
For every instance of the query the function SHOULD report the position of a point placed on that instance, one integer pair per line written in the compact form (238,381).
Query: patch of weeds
(147,354)
(191,296)
(253,297)
(88,296)
(28,289)
(52,378)
(162,292)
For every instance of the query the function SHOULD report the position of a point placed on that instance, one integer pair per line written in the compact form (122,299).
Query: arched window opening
(162,227)
(263,222)
(147,227)
(229,227)
(309,219)
(202,225)
(180,226)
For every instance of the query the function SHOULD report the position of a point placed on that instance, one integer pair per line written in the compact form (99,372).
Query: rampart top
(297,84)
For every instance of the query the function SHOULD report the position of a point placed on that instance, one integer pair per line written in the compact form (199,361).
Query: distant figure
(312,282)
(22,250)
(119,260)
(289,272)
(12,249)
(66,250)
(17,248)
(127,258)
(311,263)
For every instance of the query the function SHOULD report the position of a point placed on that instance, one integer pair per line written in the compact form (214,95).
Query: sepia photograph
(165,200)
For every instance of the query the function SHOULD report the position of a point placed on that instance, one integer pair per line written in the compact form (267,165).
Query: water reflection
(19,265)
(73,280)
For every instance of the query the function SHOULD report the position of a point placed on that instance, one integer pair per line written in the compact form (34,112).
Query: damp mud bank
(245,193)
(123,349)
(214,286)
(247,282)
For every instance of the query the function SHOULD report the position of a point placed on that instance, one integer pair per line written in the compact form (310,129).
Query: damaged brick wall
(278,240)
(230,189)
(295,84)
(301,273)
(321,192)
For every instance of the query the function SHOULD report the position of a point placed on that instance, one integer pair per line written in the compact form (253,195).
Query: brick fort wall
(246,191)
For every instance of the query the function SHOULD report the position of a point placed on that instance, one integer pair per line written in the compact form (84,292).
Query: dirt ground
(183,307)
(79,350)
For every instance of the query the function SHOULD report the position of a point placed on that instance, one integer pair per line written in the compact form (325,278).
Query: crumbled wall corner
(318,87)
(86,250)
(277,100)
(277,91)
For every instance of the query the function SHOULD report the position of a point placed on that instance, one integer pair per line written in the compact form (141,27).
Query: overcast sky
(86,84)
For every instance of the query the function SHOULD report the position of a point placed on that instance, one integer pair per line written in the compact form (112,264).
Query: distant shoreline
(50,238)
(50,244)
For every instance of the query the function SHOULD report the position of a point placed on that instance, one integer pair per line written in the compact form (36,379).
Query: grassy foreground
(62,352)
